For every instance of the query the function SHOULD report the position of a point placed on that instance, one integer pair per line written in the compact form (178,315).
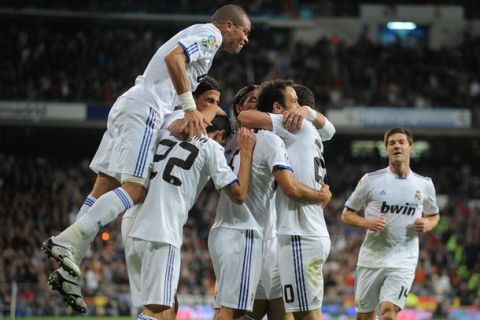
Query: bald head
(231,12)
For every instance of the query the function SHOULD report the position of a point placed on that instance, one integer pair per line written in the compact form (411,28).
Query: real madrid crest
(418,195)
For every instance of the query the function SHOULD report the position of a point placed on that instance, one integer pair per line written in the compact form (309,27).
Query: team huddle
(167,137)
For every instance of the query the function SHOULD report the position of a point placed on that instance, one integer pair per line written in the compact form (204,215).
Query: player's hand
(421,225)
(246,139)
(292,119)
(196,123)
(179,128)
(377,224)
(326,195)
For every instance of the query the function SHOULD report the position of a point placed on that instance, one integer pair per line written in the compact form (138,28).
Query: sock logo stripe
(123,198)
(89,202)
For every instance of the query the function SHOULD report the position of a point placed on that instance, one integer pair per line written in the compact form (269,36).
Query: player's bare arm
(211,112)
(354,219)
(176,62)
(300,192)
(237,192)
(292,119)
(427,223)
(255,119)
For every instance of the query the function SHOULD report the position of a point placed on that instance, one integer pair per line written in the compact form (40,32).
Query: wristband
(188,103)
(312,114)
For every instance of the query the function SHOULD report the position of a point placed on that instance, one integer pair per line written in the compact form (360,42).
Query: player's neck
(401,170)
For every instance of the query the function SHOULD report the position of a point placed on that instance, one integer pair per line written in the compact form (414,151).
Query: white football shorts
(376,285)
(129,144)
(237,262)
(153,271)
(269,286)
(300,262)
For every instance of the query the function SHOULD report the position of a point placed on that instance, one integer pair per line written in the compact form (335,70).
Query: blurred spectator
(84,62)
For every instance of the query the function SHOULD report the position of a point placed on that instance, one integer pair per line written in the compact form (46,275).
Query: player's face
(398,148)
(250,101)
(207,98)
(236,36)
(291,99)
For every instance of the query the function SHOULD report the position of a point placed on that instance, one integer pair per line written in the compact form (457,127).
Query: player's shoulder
(266,134)
(268,139)
(212,144)
(377,174)
(202,28)
(421,178)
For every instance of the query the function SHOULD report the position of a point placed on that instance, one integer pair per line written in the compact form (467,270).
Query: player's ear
(218,136)
(237,107)
(228,25)
(277,107)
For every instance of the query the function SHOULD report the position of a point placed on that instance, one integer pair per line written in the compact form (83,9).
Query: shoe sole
(56,281)
(68,264)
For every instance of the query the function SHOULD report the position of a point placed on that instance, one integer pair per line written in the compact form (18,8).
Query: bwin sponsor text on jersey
(407,209)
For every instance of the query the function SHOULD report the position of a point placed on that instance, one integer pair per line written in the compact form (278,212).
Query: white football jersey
(155,88)
(270,231)
(253,214)
(305,152)
(180,171)
(401,201)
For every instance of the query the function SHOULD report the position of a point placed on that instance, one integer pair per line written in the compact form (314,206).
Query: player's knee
(103,184)
(159,312)
(135,190)
(388,313)
(365,316)
(229,314)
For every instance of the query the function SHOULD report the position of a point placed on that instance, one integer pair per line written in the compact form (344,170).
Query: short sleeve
(359,197)
(201,44)
(430,206)
(276,154)
(222,175)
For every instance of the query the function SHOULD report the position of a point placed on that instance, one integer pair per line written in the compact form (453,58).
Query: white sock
(104,210)
(89,201)
(141,316)
(82,246)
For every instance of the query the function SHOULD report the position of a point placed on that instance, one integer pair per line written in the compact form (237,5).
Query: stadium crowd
(45,63)
(286,9)
(40,194)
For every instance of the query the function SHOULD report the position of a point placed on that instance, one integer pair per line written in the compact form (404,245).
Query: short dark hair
(241,95)
(391,132)
(208,83)
(305,95)
(220,123)
(270,92)
(230,12)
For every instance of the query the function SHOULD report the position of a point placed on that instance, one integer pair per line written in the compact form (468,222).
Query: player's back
(180,171)
(200,42)
(253,214)
(304,150)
